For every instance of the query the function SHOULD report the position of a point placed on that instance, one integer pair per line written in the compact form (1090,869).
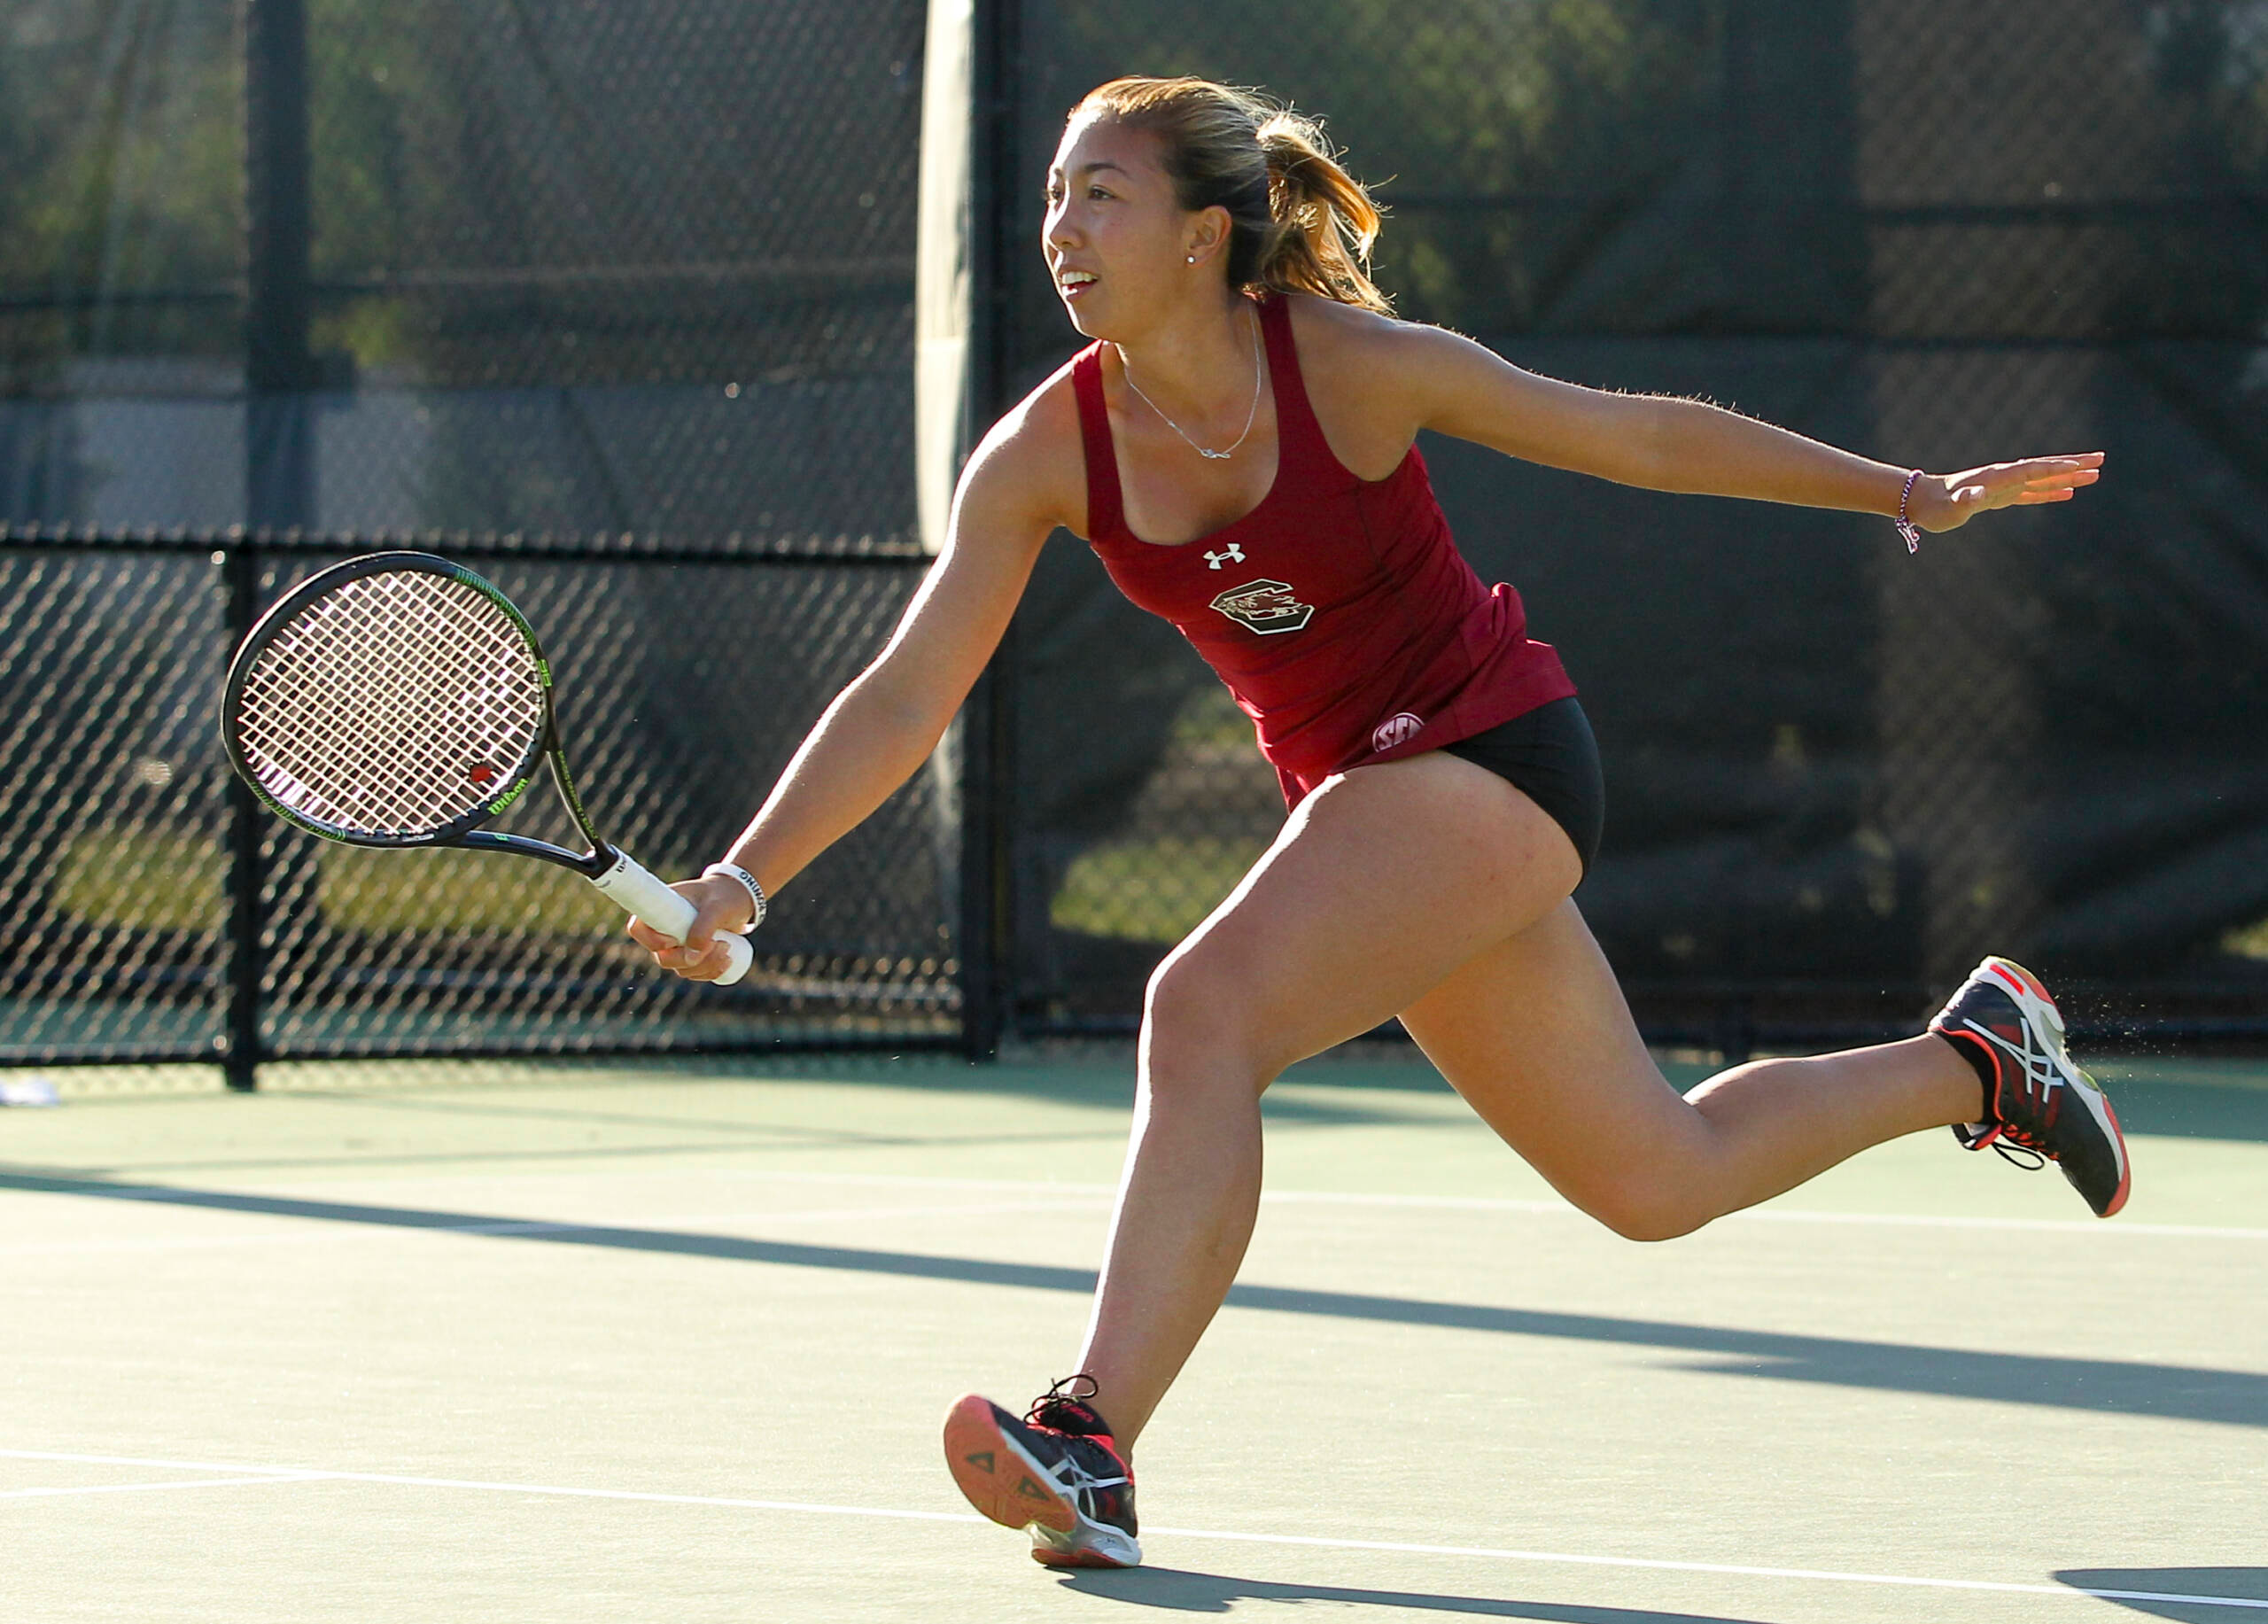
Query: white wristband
(733,871)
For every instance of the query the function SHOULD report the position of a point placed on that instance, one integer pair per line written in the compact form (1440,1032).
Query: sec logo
(1396,729)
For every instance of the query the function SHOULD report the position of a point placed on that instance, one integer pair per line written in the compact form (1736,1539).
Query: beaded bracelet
(733,871)
(1906,525)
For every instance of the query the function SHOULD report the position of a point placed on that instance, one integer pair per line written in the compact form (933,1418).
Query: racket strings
(395,720)
(343,694)
(420,698)
(392,698)
(393,706)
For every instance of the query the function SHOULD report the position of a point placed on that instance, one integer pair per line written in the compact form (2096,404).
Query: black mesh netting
(117,823)
(1940,233)
(379,951)
(112,865)
(603,266)
(573,268)
(574,274)
(589,270)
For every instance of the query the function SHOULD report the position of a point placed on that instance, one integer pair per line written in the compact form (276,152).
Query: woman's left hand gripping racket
(399,700)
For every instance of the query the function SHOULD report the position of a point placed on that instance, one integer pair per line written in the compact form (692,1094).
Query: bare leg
(1187,1203)
(1535,1034)
(1432,889)
(1775,1124)
(1381,884)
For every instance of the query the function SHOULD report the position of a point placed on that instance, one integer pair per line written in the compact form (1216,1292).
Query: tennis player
(1236,445)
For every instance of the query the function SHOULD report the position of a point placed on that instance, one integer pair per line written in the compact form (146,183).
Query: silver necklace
(1250,417)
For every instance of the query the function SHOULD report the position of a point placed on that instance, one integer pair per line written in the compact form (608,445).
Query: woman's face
(1117,242)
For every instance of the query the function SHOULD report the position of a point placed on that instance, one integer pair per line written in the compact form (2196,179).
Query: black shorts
(1549,756)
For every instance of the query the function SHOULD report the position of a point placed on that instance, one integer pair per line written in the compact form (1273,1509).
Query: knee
(1193,996)
(1645,1210)
(1196,1027)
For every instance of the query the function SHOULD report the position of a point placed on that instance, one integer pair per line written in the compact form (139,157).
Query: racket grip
(636,891)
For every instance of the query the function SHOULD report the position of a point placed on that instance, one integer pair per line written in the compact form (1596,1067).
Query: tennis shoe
(2037,1101)
(1057,1473)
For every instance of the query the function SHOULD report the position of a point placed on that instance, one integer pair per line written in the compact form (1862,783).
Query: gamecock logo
(1397,730)
(1265,606)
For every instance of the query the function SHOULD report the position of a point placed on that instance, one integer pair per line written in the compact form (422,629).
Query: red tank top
(1338,611)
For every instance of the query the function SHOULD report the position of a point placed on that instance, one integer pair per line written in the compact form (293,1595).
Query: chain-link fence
(1942,233)
(495,279)
(561,269)
(335,266)
(152,913)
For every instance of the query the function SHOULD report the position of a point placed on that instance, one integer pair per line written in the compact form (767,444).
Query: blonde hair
(1298,221)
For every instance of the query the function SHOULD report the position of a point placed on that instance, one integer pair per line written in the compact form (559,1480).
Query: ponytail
(1298,221)
(1325,222)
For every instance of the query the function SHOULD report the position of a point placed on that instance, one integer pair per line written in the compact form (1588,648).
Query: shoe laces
(1064,1409)
(2024,1152)
(1064,1401)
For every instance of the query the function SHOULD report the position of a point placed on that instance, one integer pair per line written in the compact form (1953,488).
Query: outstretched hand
(1947,502)
(720,906)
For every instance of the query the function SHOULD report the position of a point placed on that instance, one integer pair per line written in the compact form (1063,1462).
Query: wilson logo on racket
(484,774)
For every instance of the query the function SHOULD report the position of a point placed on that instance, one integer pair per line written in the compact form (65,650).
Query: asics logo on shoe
(2040,1077)
(1080,1484)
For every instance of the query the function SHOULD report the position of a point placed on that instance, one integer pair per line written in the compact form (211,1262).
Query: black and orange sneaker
(1057,1471)
(2036,1099)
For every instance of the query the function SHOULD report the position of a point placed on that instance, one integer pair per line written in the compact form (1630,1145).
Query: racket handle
(636,891)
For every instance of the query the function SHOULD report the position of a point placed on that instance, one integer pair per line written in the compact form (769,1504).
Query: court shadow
(2118,1386)
(2193,1595)
(1178,1590)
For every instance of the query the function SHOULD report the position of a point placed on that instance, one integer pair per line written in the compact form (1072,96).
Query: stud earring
(1192,259)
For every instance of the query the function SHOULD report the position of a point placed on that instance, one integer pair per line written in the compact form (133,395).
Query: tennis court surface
(671,1341)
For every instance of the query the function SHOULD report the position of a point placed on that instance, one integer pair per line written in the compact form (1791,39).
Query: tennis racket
(398,700)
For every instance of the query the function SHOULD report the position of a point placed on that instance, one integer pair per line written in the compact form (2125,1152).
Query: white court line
(141,1489)
(1309,1541)
(315,1474)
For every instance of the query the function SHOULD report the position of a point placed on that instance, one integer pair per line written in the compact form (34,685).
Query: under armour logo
(1235,555)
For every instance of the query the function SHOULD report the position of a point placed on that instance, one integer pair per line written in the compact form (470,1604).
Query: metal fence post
(279,366)
(279,464)
(242,966)
(988,781)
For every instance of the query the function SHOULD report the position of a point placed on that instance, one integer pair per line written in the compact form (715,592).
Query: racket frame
(605,865)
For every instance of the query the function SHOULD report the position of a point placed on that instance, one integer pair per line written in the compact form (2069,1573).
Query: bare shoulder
(1333,333)
(1381,352)
(1030,466)
(1370,377)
